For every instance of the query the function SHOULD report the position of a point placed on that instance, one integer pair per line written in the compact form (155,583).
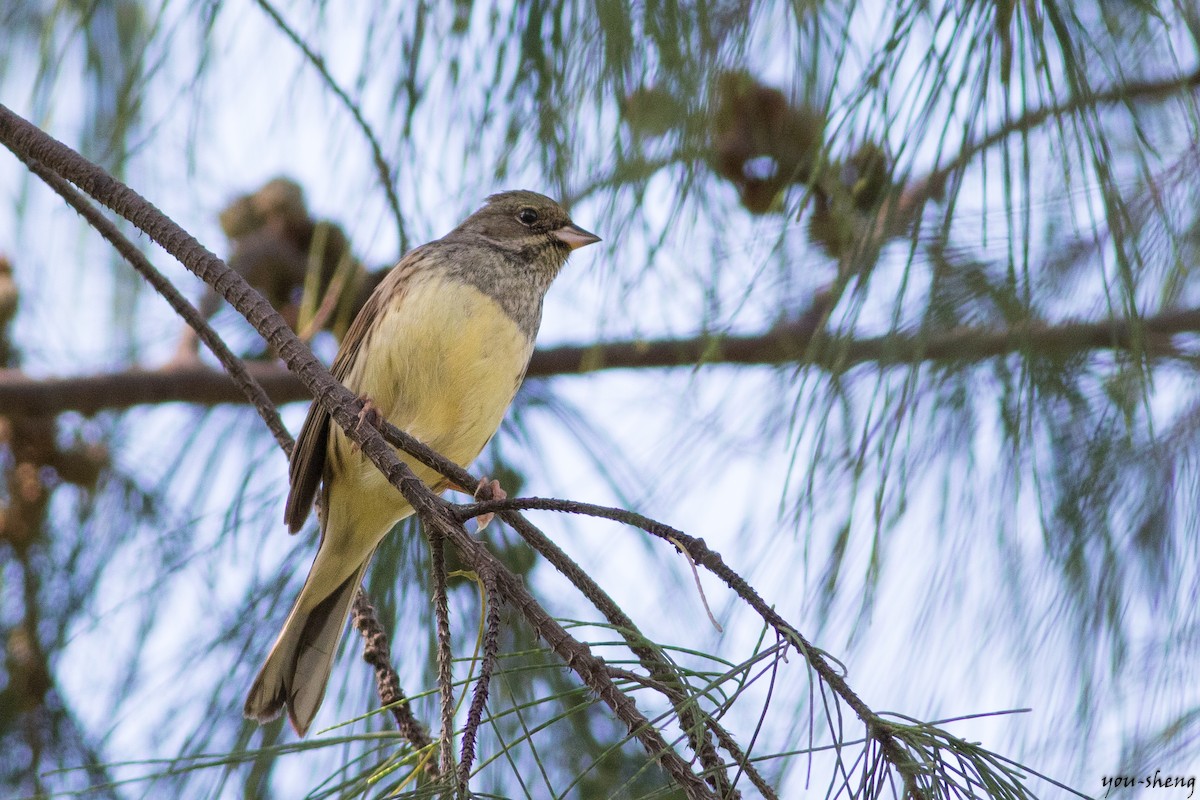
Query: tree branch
(1141,91)
(377,652)
(782,345)
(488,656)
(28,141)
(445,654)
(240,377)
(878,729)
(932,186)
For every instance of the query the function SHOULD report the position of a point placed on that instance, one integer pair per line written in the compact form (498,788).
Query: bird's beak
(575,237)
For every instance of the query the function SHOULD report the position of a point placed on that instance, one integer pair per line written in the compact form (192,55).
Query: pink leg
(497,493)
(370,415)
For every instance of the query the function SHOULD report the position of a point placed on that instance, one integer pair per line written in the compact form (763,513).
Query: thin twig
(445,651)
(576,655)
(377,653)
(723,736)
(700,588)
(386,173)
(639,644)
(877,728)
(487,664)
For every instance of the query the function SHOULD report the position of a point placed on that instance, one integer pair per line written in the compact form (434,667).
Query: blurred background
(883,245)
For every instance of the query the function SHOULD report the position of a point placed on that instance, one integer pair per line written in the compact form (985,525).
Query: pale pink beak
(575,237)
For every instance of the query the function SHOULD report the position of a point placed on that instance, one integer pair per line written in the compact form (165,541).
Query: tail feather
(297,669)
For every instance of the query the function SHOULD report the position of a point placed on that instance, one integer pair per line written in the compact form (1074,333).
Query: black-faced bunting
(439,350)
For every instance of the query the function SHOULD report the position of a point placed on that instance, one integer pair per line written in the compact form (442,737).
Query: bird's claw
(369,415)
(496,493)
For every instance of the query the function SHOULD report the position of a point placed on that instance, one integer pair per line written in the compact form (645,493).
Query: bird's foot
(369,415)
(497,493)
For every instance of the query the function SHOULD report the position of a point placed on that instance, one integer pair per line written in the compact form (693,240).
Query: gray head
(526,223)
(514,247)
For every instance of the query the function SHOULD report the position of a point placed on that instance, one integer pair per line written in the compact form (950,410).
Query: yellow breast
(443,364)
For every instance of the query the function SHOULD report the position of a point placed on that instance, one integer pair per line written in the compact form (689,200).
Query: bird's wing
(308,457)
(307,466)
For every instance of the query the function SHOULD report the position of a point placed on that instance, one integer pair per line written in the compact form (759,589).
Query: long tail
(298,667)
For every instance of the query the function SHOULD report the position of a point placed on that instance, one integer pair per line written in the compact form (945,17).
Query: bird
(439,350)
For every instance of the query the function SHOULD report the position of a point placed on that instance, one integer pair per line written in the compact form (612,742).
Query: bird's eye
(527,216)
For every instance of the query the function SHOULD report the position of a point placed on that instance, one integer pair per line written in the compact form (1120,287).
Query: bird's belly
(445,373)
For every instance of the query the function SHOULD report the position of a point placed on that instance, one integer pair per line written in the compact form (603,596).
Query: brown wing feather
(307,467)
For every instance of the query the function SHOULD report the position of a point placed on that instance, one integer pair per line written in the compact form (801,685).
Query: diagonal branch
(375,647)
(242,380)
(912,197)
(1140,91)
(931,186)
(445,655)
(30,142)
(487,664)
(878,729)
(377,653)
